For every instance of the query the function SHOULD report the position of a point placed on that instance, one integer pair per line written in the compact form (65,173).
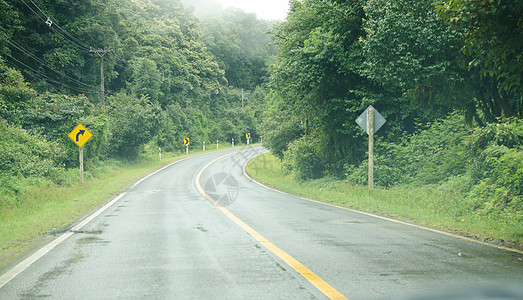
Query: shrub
(133,123)
(427,157)
(23,154)
(304,157)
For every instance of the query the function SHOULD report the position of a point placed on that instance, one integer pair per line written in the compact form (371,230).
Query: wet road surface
(163,239)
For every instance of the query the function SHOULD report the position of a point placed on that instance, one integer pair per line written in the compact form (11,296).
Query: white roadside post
(160,153)
(233,142)
(186,142)
(203,146)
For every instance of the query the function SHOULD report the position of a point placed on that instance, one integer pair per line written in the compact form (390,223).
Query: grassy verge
(429,206)
(46,209)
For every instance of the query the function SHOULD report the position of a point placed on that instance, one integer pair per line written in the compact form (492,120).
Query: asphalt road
(164,239)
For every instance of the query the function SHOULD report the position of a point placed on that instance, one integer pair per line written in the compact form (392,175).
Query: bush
(508,171)
(23,154)
(427,157)
(133,123)
(304,157)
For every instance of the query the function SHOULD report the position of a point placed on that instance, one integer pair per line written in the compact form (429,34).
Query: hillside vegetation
(167,76)
(447,76)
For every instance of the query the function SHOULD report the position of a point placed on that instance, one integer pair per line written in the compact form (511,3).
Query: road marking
(19,268)
(464,238)
(314,279)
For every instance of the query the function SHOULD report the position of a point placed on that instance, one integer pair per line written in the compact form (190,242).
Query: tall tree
(318,78)
(493,37)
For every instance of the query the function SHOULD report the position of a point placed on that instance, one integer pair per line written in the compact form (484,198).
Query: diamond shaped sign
(80,135)
(379,120)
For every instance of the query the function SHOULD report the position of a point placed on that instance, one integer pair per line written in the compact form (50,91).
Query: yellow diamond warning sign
(80,135)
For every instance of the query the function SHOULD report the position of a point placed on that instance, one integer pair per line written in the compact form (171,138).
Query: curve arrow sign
(80,135)
(80,132)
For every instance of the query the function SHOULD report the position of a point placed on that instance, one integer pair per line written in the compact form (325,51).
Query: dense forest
(166,76)
(447,76)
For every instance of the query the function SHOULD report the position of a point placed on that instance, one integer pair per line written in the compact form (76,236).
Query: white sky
(264,9)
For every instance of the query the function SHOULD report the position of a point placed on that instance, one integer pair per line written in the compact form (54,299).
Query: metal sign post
(371,121)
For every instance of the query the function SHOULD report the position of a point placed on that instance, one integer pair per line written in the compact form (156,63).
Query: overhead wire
(83,87)
(42,76)
(63,33)
(22,49)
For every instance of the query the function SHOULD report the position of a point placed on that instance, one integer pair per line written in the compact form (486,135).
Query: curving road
(201,229)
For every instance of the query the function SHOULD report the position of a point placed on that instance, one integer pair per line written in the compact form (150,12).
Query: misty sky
(264,9)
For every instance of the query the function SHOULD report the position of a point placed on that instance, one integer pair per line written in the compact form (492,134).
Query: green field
(428,206)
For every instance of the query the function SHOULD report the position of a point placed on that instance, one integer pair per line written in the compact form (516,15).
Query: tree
(493,37)
(133,123)
(317,79)
(145,79)
(241,44)
(409,49)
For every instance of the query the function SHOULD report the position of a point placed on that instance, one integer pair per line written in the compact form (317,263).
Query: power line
(63,33)
(44,77)
(22,49)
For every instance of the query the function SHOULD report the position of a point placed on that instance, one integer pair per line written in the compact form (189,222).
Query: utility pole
(243,98)
(101,53)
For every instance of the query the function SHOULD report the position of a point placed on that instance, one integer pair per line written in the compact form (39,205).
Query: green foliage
(145,79)
(497,151)
(304,157)
(240,43)
(493,36)
(483,165)
(280,126)
(133,123)
(15,95)
(26,155)
(316,83)
(430,156)
(508,172)
(409,48)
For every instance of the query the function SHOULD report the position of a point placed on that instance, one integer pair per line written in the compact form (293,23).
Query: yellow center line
(314,279)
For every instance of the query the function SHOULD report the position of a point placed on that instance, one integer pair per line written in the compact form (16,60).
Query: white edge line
(376,216)
(19,268)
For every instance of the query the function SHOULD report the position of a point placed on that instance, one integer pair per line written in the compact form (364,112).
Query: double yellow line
(319,283)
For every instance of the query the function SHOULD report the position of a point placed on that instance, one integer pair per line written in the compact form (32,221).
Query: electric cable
(47,20)
(44,77)
(12,43)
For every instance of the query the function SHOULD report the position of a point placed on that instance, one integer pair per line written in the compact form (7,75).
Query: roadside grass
(429,206)
(45,209)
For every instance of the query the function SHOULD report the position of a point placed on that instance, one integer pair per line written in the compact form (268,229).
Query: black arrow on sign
(80,132)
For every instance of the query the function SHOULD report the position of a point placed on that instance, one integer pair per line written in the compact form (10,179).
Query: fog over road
(163,239)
